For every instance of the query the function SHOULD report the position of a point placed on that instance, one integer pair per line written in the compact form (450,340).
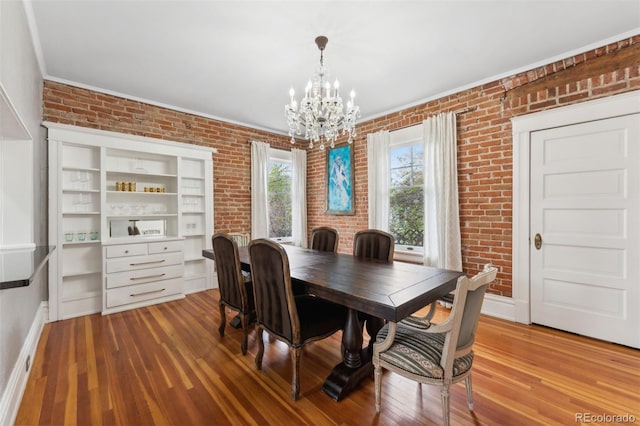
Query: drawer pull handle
(147,277)
(147,292)
(147,263)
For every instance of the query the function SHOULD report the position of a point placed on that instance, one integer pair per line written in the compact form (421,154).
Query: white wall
(21,79)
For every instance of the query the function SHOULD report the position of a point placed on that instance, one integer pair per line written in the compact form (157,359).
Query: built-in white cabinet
(137,274)
(115,193)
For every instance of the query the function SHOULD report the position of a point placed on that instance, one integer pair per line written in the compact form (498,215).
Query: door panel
(585,203)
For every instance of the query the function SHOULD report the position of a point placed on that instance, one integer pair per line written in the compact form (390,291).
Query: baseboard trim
(12,396)
(499,307)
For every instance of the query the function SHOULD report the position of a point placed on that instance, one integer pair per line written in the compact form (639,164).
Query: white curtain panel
(299,197)
(442,246)
(378,175)
(259,189)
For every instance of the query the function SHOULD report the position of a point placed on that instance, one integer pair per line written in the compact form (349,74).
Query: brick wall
(484,145)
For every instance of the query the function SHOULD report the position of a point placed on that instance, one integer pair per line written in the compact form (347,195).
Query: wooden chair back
(324,238)
(240,238)
(230,279)
(274,299)
(373,244)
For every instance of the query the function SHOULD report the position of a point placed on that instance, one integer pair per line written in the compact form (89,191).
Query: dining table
(389,291)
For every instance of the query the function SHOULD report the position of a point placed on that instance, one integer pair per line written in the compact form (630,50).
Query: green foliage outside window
(406,195)
(279,198)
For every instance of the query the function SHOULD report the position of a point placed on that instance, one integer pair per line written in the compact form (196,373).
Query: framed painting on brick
(339,188)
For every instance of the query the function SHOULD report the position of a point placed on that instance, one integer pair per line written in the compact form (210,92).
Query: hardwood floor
(166,364)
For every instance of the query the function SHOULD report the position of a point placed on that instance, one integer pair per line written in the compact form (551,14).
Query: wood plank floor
(166,364)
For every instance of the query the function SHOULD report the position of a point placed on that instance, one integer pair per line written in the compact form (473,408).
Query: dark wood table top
(391,291)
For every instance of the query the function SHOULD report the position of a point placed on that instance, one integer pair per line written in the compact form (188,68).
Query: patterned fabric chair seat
(420,353)
(416,322)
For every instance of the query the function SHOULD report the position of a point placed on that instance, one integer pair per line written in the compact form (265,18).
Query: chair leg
(296,354)
(467,383)
(223,319)
(260,348)
(245,331)
(377,377)
(444,392)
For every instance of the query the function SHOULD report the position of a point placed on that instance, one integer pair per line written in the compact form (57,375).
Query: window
(406,189)
(279,195)
(406,196)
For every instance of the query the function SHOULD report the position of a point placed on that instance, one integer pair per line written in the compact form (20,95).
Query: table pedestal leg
(356,364)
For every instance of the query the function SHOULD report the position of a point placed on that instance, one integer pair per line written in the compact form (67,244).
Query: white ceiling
(236,60)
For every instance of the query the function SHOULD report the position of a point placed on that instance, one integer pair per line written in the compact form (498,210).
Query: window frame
(399,139)
(281,156)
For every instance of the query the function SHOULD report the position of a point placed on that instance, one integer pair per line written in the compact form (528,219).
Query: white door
(585,206)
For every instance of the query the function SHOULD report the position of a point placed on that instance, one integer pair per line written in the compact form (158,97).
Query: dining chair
(241,238)
(294,319)
(236,289)
(373,244)
(443,353)
(324,238)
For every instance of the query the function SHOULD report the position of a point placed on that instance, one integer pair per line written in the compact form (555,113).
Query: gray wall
(22,80)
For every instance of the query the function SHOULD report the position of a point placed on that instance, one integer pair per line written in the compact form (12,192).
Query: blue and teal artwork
(339,180)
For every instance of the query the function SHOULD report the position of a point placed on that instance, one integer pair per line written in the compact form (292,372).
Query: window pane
(279,198)
(406,196)
(406,216)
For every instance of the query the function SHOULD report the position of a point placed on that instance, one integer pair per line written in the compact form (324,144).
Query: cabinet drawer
(126,250)
(165,246)
(142,292)
(127,278)
(143,262)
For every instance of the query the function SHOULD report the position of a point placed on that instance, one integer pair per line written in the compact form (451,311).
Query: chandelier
(321,113)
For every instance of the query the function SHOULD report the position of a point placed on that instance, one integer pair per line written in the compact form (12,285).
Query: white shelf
(82,296)
(80,213)
(79,243)
(142,193)
(145,174)
(142,216)
(79,169)
(79,191)
(81,274)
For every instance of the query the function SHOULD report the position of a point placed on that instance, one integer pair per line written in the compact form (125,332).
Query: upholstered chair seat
(421,354)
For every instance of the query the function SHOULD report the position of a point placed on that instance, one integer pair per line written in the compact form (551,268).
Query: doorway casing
(522,128)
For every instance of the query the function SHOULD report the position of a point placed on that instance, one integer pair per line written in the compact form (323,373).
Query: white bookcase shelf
(152,195)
